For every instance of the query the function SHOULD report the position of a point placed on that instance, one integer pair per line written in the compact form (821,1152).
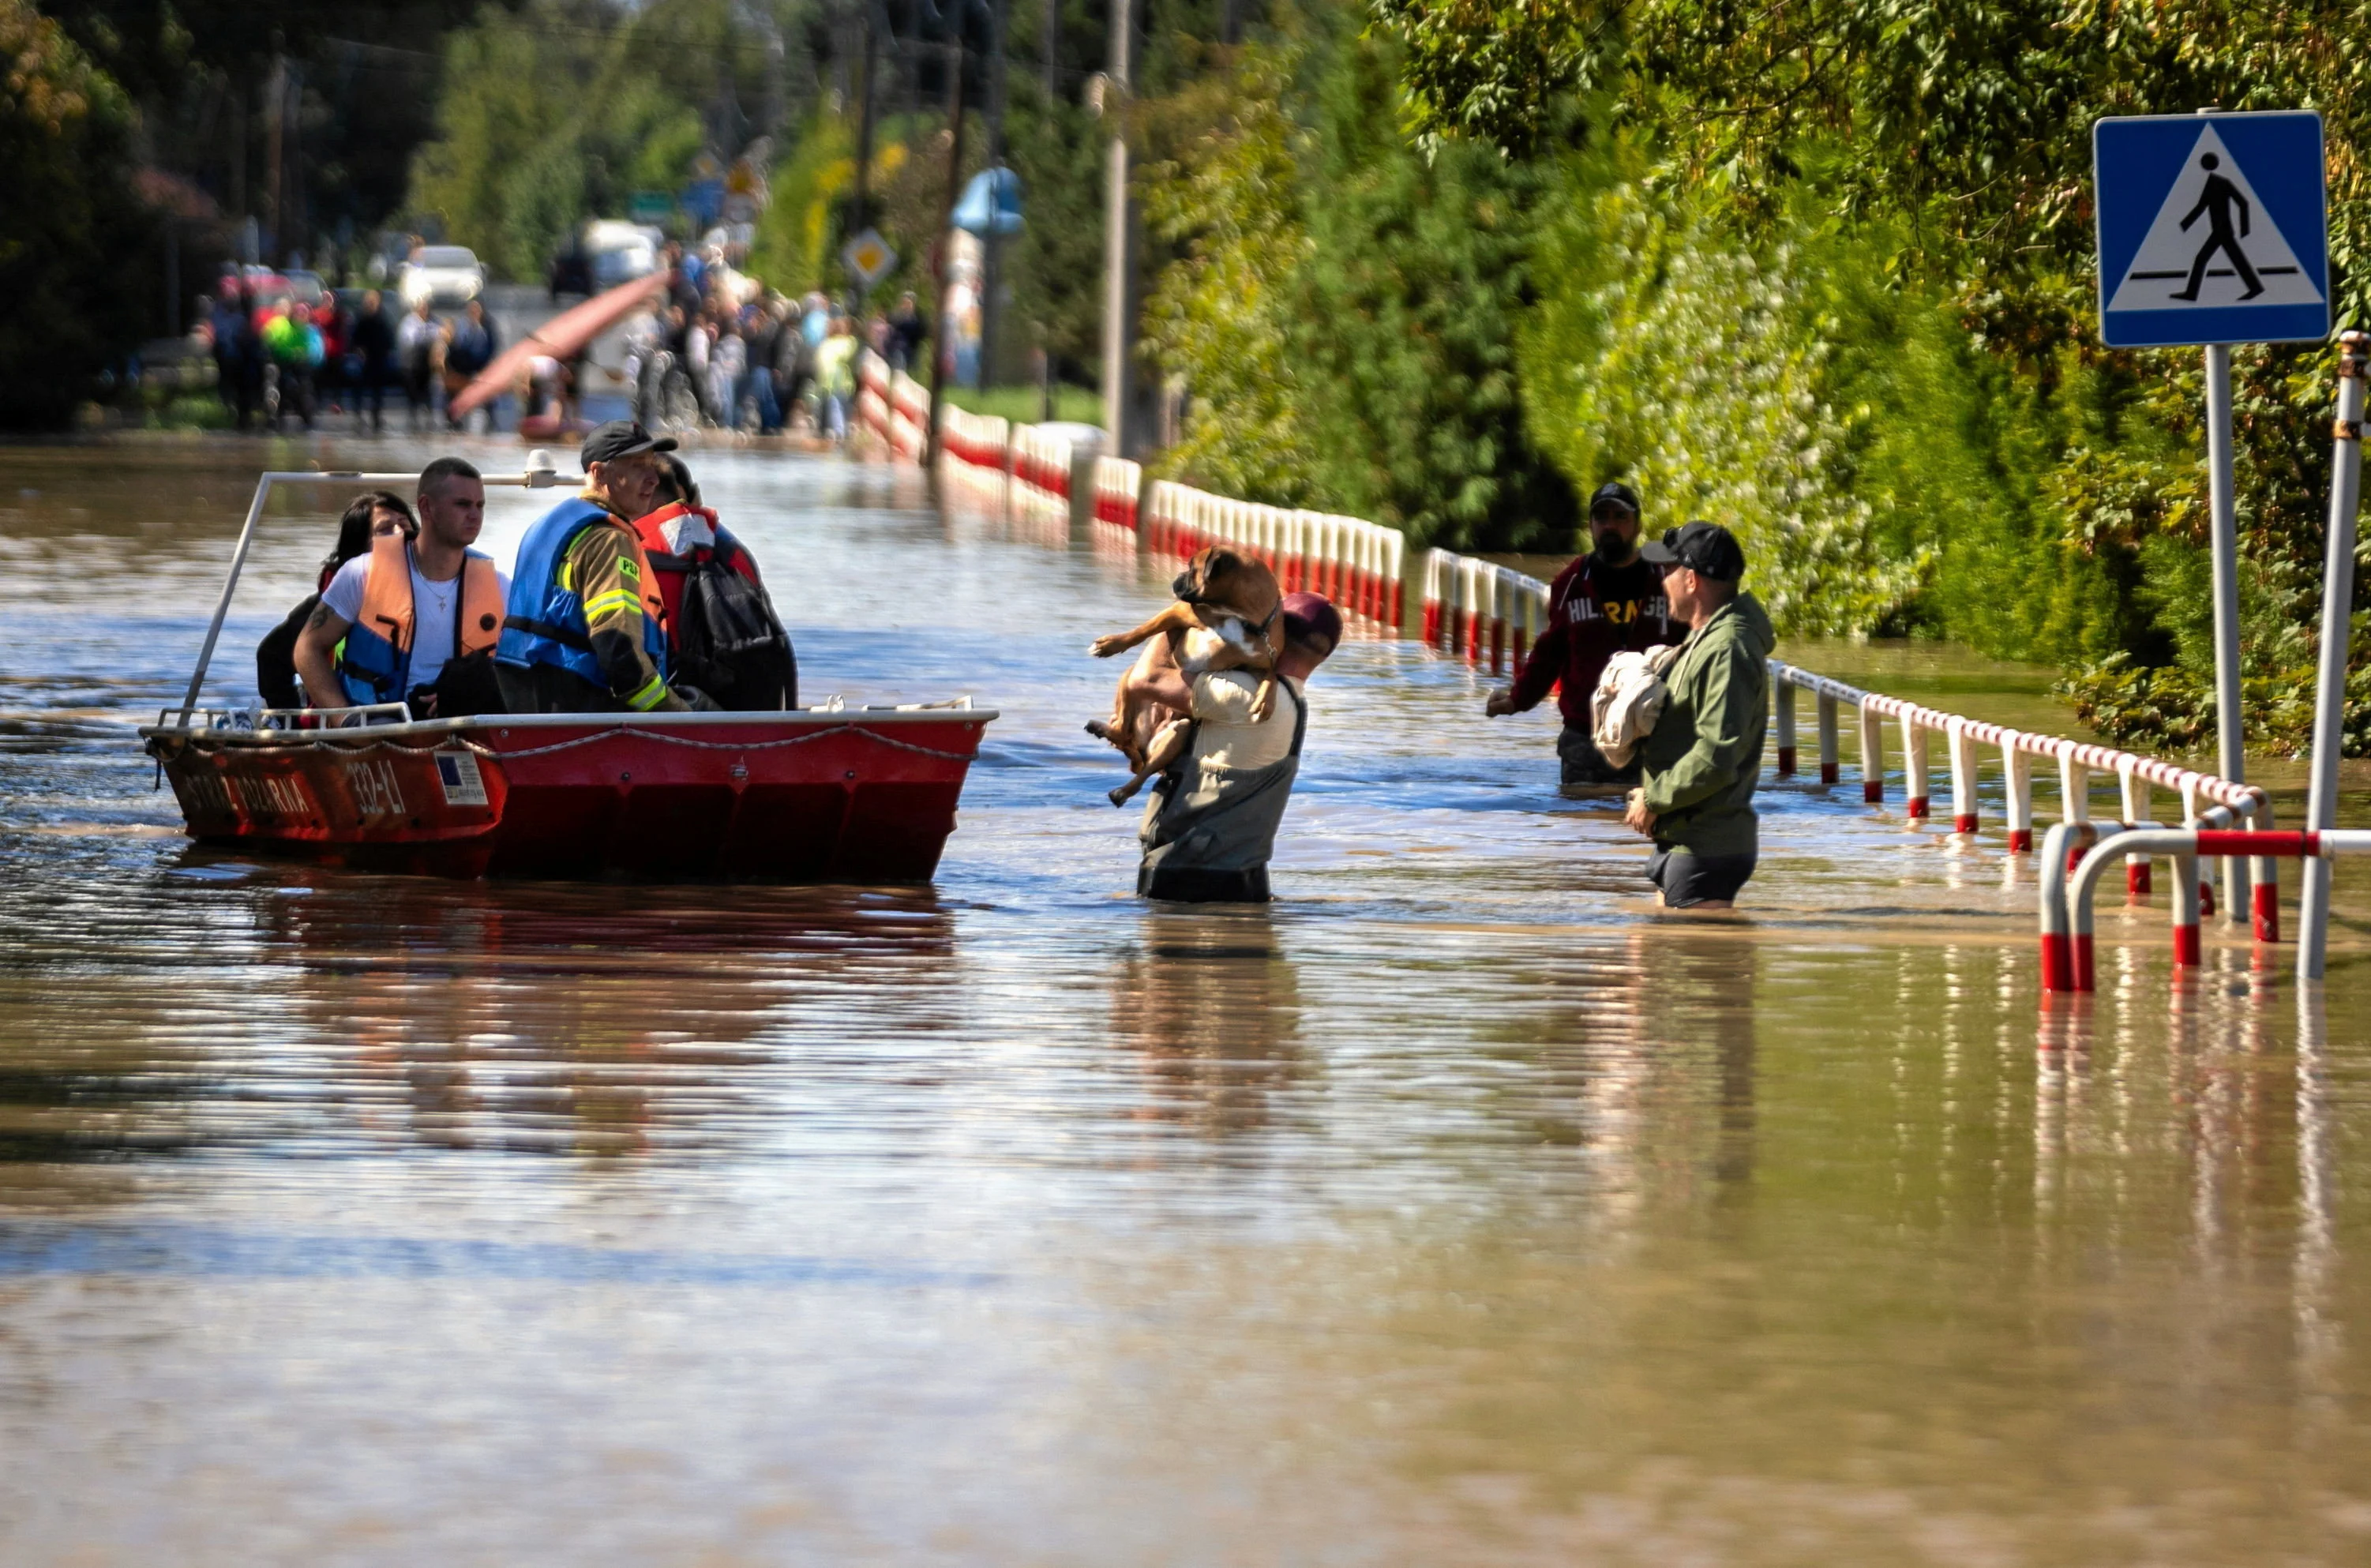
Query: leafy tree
(71,252)
(1343,309)
(1055,264)
(1405,325)
(795,250)
(559,112)
(1229,198)
(1914,182)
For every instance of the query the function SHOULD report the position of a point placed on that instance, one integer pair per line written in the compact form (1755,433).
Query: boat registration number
(458,772)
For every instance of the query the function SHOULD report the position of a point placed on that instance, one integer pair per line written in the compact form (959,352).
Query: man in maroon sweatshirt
(1606,601)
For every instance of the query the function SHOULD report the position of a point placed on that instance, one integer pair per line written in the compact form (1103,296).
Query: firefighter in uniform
(585,630)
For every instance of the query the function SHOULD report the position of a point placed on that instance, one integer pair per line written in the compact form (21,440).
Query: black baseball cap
(1706,548)
(620,438)
(1617,492)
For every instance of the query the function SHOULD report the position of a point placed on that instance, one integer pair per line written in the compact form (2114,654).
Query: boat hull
(864,796)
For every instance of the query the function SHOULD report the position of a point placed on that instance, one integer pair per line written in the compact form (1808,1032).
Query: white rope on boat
(686,741)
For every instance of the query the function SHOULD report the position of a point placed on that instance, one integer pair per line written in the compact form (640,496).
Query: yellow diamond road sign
(868,258)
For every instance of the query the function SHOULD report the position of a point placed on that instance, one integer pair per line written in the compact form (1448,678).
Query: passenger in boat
(368,517)
(585,631)
(1210,826)
(419,618)
(723,635)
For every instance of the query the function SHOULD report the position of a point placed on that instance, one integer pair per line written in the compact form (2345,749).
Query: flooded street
(1455,1209)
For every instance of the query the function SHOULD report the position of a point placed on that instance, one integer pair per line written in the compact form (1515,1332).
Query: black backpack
(730,643)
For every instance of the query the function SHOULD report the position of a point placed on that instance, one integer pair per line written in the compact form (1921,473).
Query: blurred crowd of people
(720,350)
(277,358)
(725,351)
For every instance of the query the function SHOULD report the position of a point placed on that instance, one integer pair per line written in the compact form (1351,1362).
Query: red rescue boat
(825,794)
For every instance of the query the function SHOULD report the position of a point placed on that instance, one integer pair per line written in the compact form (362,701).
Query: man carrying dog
(1702,760)
(1210,828)
(1605,602)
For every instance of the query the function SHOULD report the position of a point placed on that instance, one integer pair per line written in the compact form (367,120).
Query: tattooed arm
(317,663)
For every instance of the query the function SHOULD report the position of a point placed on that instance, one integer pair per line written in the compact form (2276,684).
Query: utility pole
(860,218)
(942,352)
(992,242)
(1050,42)
(272,151)
(299,213)
(1118,263)
(777,91)
(239,132)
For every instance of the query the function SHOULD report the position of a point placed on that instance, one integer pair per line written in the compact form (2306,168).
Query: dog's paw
(1105,647)
(1121,794)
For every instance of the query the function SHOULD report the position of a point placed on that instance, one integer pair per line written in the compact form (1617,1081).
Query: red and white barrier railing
(873,395)
(1485,612)
(1481,610)
(1356,563)
(2067,963)
(972,449)
(1119,484)
(1041,468)
(909,416)
(1966,741)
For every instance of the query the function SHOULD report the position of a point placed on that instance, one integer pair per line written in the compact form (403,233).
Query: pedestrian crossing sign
(2213,228)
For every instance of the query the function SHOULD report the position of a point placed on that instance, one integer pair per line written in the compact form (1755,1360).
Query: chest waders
(1209,831)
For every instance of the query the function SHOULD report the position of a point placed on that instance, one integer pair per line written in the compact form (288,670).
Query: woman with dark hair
(366,517)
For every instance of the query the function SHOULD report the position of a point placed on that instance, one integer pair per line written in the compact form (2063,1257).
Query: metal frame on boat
(831,793)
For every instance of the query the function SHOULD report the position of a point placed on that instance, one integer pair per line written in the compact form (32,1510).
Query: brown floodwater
(1455,1209)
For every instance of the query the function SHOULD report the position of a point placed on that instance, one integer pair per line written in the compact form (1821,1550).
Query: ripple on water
(1455,1208)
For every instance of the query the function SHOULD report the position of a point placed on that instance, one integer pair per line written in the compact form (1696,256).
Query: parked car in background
(443,275)
(608,252)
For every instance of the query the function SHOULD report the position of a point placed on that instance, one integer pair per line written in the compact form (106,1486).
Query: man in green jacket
(1704,757)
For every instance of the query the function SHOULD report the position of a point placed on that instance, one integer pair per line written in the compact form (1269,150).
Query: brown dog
(1228,616)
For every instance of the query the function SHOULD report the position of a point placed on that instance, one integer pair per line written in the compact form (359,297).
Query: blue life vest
(545,623)
(375,659)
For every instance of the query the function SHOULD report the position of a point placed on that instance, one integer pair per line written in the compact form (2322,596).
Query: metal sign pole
(2337,616)
(2213,230)
(2231,760)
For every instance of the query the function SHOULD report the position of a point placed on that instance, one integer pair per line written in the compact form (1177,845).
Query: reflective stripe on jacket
(375,661)
(553,615)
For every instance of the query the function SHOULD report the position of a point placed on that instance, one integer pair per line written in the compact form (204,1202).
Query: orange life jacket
(376,665)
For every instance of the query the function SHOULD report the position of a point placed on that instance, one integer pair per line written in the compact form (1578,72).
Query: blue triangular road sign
(2213,229)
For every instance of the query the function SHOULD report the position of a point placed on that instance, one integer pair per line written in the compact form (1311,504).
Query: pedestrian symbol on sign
(2211,215)
(2213,229)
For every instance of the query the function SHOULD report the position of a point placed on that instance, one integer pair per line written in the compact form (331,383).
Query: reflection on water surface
(1455,1208)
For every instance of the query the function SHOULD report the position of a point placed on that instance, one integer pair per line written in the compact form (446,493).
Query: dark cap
(1706,548)
(1617,492)
(1308,616)
(620,438)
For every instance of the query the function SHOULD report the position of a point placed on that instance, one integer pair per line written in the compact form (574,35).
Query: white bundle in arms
(1628,699)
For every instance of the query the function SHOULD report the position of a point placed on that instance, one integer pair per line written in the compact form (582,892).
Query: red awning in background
(564,337)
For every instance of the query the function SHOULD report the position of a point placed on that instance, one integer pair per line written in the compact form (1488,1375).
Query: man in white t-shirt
(455,597)
(1210,826)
